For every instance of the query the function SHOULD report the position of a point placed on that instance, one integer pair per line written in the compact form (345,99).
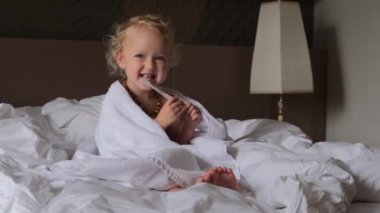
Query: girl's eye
(160,58)
(139,55)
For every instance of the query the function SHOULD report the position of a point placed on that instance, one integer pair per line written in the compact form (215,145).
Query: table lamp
(281,61)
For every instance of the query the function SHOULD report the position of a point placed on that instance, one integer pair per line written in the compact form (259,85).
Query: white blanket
(96,196)
(281,169)
(296,182)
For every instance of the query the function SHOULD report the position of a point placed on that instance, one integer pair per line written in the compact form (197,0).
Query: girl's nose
(149,63)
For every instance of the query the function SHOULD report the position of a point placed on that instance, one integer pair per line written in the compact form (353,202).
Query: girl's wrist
(161,123)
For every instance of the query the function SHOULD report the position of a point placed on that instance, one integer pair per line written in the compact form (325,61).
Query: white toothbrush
(161,92)
(158,90)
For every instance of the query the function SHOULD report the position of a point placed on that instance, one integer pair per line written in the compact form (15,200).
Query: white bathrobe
(125,131)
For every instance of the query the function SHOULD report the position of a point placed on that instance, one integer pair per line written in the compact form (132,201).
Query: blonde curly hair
(115,42)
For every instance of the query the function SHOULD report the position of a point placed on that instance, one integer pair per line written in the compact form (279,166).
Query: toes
(200,180)
(206,177)
(224,170)
(229,170)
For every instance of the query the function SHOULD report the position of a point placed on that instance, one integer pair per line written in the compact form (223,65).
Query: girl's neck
(142,95)
(149,101)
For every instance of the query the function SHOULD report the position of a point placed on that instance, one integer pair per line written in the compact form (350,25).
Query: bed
(51,94)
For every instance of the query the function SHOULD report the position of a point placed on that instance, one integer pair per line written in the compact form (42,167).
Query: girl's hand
(170,112)
(189,120)
(192,116)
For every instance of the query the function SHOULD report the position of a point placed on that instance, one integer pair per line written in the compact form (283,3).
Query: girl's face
(143,56)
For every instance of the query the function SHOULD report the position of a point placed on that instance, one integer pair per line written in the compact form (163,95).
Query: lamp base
(280,105)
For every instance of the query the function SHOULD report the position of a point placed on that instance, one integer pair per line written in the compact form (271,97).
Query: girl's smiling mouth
(148,76)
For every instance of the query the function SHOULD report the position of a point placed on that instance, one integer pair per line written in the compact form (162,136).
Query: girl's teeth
(148,76)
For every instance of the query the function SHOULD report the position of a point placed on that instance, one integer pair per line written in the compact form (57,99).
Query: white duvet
(49,163)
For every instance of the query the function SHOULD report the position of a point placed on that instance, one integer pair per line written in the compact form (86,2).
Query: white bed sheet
(276,159)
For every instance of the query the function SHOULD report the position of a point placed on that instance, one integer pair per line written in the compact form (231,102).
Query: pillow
(77,120)
(24,131)
(267,130)
(6,111)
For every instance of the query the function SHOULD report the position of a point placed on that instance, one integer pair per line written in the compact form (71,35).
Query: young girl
(143,48)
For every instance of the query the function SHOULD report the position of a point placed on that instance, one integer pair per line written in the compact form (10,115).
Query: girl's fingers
(172,100)
(177,103)
(177,106)
(195,115)
(196,118)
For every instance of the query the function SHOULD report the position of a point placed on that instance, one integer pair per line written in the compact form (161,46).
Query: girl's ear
(120,60)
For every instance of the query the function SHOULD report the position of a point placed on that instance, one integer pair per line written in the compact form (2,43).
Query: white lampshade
(281,61)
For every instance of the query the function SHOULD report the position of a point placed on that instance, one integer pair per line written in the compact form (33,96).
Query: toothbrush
(161,92)
(158,90)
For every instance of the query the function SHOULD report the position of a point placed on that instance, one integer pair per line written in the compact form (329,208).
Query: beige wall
(350,32)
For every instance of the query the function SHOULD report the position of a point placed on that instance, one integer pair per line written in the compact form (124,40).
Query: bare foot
(220,176)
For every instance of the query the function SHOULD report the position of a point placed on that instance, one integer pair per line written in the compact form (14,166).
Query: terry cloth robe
(125,131)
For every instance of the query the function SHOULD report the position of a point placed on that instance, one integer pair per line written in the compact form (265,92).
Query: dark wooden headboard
(34,72)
